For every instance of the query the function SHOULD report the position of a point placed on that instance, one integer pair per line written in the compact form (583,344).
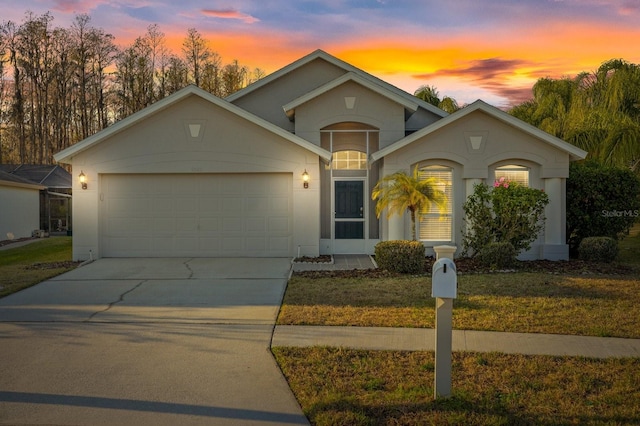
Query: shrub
(497,255)
(601,201)
(406,257)
(506,212)
(598,249)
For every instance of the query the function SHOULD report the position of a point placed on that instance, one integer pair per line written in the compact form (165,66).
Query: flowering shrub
(506,212)
(502,182)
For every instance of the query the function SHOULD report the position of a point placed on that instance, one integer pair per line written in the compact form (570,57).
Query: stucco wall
(501,144)
(19,211)
(162,144)
(369,108)
(267,101)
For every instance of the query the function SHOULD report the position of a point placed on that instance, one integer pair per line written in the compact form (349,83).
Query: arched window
(513,173)
(435,225)
(349,160)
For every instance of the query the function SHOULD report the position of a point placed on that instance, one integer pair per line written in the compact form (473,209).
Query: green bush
(506,212)
(598,249)
(406,257)
(497,255)
(601,201)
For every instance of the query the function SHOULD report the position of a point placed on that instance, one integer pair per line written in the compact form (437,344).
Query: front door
(349,218)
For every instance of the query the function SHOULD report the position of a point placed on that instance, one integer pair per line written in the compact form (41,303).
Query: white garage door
(196,215)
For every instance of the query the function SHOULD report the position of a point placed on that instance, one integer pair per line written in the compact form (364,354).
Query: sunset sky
(494,50)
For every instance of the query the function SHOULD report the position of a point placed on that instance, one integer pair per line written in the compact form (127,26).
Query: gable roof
(7,179)
(409,104)
(50,175)
(574,152)
(67,154)
(320,54)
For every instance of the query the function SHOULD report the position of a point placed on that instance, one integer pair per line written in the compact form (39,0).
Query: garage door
(196,215)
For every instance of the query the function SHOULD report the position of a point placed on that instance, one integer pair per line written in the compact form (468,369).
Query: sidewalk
(423,339)
(420,339)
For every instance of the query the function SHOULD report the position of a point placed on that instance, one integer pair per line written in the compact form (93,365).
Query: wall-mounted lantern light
(83,179)
(305,179)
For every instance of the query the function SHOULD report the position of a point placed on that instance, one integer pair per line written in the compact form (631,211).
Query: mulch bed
(53,265)
(471,266)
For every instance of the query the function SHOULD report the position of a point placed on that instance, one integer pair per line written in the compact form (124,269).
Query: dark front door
(349,209)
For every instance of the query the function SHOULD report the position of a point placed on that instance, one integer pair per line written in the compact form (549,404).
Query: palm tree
(431,95)
(401,191)
(598,112)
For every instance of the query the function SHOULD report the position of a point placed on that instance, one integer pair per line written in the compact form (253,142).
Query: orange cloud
(230,14)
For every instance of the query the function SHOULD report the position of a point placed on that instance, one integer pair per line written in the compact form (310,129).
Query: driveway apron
(147,341)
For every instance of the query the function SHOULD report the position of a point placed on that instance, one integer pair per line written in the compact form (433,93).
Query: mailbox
(444,281)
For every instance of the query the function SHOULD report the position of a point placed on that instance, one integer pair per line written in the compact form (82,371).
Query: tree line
(61,85)
(597,111)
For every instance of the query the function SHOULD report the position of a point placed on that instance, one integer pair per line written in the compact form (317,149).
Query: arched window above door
(349,160)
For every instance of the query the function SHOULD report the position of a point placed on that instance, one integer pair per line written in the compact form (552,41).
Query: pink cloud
(230,14)
(71,6)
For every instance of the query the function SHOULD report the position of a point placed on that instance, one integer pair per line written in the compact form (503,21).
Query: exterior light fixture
(305,179)
(83,179)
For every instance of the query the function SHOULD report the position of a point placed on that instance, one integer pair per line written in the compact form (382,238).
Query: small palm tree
(401,191)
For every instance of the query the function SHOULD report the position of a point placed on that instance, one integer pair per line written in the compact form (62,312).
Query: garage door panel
(122,227)
(279,226)
(279,243)
(256,225)
(197,215)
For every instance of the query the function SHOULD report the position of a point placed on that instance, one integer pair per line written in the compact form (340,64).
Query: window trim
(434,212)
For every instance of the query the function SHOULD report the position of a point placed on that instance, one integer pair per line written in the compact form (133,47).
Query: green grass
(351,387)
(28,265)
(515,302)
(629,247)
(526,302)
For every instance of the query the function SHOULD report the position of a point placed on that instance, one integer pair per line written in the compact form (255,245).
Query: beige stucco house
(196,175)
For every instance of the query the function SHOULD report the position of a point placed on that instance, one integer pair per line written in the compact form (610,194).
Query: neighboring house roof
(51,176)
(409,104)
(7,179)
(66,155)
(320,54)
(574,152)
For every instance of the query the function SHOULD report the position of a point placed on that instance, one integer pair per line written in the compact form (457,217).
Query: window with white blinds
(434,225)
(513,173)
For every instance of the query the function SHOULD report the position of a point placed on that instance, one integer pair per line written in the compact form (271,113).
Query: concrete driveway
(147,341)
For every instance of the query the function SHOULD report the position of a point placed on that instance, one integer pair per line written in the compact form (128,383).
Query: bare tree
(196,53)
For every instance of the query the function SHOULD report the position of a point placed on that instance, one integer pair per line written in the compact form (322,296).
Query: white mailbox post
(444,287)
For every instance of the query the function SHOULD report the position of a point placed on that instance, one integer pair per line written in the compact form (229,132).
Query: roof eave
(574,152)
(67,154)
(290,107)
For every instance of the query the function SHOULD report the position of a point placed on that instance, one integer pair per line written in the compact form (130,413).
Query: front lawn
(22,267)
(351,387)
(590,305)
